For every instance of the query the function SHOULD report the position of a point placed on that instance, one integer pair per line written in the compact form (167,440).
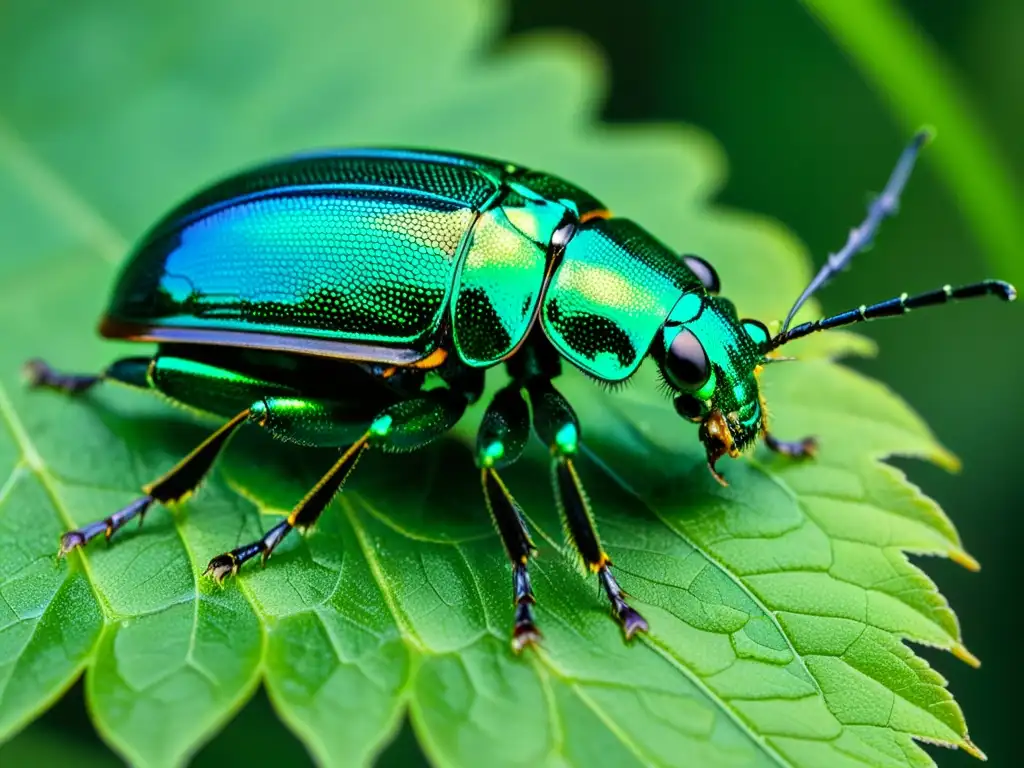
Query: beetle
(354,299)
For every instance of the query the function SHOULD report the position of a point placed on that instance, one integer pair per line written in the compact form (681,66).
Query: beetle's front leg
(503,434)
(555,423)
(795,449)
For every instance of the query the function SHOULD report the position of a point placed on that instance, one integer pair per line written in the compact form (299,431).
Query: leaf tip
(964,559)
(971,749)
(947,460)
(960,651)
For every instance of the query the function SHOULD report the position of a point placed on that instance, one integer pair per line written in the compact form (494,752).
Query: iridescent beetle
(313,296)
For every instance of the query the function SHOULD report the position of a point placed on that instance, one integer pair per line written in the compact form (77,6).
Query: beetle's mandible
(355,299)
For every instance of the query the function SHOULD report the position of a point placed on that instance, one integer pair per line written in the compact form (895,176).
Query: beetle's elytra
(355,299)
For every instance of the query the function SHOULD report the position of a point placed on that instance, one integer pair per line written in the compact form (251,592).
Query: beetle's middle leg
(403,426)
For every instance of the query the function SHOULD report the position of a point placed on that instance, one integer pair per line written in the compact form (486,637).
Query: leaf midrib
(678,662)
(783,486)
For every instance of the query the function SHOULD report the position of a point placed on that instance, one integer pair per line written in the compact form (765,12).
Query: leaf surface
(911,74)
(779,606)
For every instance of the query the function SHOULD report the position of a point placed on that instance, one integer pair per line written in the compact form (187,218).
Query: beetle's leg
(555,423)
(181,481)
(404,426)
(503,434)
(305,514)
(131,371)
(797,449)
(225,391)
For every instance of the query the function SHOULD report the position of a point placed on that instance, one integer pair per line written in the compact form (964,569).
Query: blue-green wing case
(351,254)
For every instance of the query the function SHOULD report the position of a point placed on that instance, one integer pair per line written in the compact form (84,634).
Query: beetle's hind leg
(182,480)
(403,426)
(131,371)
(228,391)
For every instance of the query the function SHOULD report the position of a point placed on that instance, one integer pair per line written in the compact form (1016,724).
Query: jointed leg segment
(508,518)
(500,441)
(795,449)
(39,374)
(131,371)
(304,515)
(404,426)
(175,485)
(555,423)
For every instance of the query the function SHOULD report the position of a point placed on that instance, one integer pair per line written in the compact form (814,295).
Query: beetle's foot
(107,526)
(524,636)
(39,375)
(631,621)
(34,371)
(795,449)
(71,541)
(222,567)
(525,633)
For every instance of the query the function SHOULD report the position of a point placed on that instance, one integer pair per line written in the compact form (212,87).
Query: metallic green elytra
(355,299)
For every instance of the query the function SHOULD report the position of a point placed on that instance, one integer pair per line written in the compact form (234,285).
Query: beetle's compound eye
(704,272)
(689,407)
(756,330)
(686,362)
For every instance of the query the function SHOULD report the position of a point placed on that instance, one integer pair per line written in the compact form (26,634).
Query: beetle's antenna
(894,307)
(886,204)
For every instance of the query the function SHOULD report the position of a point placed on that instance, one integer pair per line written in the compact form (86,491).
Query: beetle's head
(711,360)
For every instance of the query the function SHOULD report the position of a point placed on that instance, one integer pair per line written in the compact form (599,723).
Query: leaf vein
(379,576)
(754,596)
(39,469)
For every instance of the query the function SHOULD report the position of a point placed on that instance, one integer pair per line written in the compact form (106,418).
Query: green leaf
(779,607)
(922,88)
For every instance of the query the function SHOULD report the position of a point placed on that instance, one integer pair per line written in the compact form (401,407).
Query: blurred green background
(806,138)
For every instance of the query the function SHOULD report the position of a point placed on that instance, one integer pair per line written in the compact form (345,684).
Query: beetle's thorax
(610,294)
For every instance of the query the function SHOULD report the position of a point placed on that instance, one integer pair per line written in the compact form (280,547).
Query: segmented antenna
(886,204)
(899,305)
